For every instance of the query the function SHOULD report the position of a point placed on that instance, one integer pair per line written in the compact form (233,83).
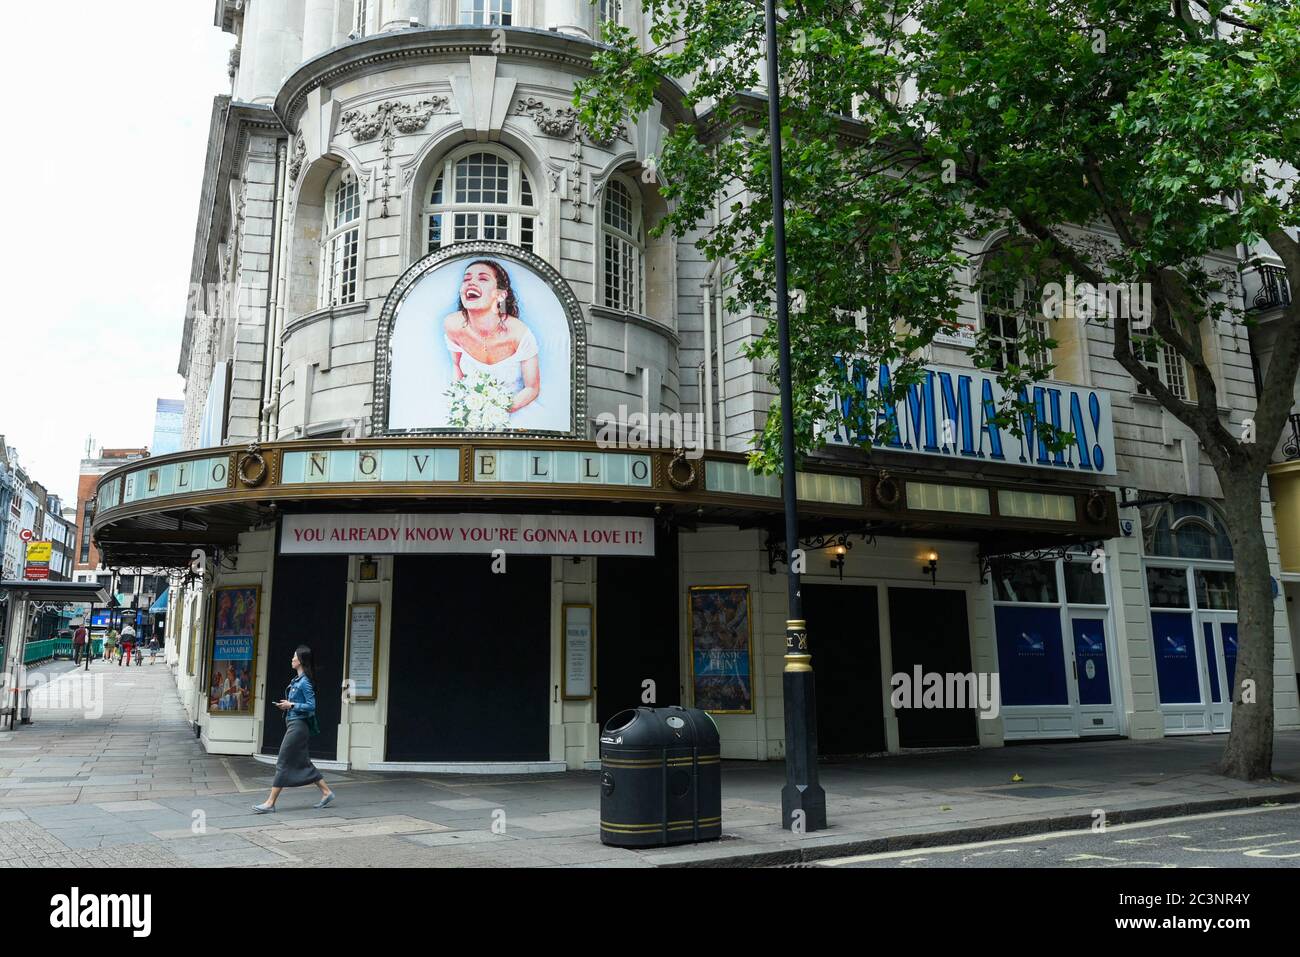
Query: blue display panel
(1211,663)
(1031,658)
(1090,657)
(1172,639)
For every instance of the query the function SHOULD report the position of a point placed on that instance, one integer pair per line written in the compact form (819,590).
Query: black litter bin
(660,778)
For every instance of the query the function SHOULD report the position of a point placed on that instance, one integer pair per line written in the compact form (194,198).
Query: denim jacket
(303,696)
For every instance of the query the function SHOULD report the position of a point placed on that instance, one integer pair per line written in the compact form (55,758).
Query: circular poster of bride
(480,338)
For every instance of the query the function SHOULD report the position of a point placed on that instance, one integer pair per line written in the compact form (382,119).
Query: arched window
(342,240)
(1185,529)
(623,247)
(482,195)
(487,13)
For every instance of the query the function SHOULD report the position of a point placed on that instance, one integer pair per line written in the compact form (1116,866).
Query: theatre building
(458,422)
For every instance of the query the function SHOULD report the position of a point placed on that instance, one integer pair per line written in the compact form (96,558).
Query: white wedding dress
(509,370)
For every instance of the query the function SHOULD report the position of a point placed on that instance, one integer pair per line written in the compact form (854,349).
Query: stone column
(273,34)
(398,14)
(318,27)
(577,17)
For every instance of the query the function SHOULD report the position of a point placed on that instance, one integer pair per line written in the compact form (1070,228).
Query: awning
(159,607)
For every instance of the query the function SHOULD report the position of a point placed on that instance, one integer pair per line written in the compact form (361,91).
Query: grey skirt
(293,767)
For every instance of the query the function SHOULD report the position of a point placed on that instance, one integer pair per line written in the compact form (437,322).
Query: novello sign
(466,534)
(950,413)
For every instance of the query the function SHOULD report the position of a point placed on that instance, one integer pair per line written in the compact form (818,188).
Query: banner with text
(417,534)
(951,411)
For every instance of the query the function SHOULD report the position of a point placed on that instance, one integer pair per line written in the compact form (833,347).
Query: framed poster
(234,649)
(579,651)
(363,649)
(721,649)
(481,338)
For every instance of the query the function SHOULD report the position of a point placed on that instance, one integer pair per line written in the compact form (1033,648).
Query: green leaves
(908,126)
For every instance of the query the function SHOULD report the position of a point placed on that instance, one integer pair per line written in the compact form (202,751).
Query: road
(1254,837)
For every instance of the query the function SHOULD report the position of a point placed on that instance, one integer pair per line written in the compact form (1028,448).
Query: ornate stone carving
(559,122)
(388,119)
(299,157)
(233,64)
(392,117)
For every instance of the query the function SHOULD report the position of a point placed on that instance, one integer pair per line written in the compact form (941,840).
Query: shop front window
(1216,590)
(1024,581)
(1083,586)
(1167,588)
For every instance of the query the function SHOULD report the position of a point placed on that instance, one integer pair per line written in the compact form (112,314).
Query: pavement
(110,774)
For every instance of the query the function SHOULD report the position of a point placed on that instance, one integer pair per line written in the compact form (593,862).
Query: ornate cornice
(441,43)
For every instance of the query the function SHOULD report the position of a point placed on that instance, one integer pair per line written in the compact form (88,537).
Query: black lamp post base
(808,798)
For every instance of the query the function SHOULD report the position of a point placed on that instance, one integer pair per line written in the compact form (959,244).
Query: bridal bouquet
(479,403)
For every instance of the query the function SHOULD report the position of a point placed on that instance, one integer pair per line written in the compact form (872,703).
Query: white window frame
(360,16)
(520,218)
(608,11)
(1168,365)
(1021,313)
(627,293)
(493,13)
(340,275)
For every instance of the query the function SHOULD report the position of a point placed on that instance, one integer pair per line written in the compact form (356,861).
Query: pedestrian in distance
(110,644)
(128,644)
(153,649)
(79,644)
(293,767)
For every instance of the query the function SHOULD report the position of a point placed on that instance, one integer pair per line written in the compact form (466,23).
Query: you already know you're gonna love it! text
(413,534)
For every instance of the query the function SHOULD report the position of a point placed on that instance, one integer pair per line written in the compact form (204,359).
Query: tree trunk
(1249,754)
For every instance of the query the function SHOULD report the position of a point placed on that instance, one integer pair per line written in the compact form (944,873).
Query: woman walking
(293,767)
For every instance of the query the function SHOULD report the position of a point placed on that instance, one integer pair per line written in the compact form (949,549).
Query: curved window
(1186,529)
(342,241)
(482,195)
(487,13)
(623,248)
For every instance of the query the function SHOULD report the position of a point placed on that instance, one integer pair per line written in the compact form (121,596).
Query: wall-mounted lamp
(931,567)
(838,561)
(368,570)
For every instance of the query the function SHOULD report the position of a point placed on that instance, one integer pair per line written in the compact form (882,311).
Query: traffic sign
(26,535)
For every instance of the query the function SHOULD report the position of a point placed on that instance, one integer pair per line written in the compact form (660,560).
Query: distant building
(87,556)
(167,426)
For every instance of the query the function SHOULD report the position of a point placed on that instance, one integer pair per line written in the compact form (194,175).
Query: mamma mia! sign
(951,411)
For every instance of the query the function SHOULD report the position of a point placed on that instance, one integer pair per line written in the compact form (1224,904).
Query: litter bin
(660,778)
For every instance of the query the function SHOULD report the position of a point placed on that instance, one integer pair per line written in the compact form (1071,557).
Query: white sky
(106,131)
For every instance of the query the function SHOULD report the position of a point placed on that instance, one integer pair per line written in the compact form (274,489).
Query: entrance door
(1219,644)
(928,629)
(469,661)
(1090,670)
(308,607)
(637,627)
(844,632)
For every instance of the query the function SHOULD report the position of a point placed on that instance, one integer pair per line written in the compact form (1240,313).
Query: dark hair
(503,281)
(304,659)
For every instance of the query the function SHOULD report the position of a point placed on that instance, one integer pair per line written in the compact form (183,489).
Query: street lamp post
(803,802)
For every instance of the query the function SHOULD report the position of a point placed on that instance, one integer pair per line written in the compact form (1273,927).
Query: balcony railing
(1272,290)
(1291,445)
